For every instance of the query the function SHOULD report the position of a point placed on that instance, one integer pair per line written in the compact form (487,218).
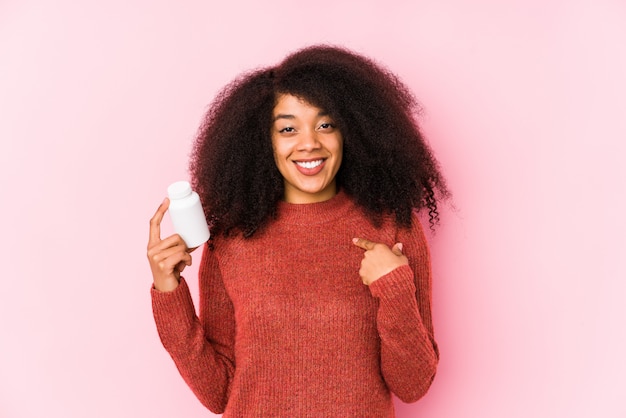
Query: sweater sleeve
(202,347)
(409,353)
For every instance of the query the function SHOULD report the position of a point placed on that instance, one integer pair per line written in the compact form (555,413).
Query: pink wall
(524,105)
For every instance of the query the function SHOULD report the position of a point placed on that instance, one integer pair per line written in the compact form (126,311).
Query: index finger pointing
(155,222)
(363,243)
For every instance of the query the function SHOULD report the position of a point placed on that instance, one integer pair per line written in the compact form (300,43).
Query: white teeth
(309,164)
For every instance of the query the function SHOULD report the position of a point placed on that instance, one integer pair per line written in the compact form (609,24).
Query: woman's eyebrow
(291,117)
(283,116)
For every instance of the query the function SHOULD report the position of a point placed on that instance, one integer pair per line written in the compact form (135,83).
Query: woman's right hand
(168,257)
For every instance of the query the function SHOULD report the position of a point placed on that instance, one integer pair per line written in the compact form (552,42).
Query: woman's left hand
(378,259)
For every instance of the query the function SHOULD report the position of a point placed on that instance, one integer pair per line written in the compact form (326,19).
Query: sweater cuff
(173,310)
(397,283)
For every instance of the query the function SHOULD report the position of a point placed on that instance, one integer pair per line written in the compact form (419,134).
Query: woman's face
(308,149)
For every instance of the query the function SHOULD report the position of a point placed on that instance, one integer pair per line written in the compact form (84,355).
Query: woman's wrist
(166,286)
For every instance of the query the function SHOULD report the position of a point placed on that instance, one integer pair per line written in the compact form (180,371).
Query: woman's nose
(308,141)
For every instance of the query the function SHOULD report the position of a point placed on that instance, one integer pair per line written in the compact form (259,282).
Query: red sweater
(286,327)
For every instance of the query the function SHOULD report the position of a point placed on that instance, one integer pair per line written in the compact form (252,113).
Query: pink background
(524,105)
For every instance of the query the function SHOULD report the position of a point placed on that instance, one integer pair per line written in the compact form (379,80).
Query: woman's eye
(288,129)
(327,125)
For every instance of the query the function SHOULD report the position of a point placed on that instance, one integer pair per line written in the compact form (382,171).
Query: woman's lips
(310,167)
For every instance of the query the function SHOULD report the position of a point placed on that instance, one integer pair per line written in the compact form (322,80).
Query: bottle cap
(179,190)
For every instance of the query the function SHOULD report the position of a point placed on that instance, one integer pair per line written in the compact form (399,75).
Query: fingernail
(355,240)
(400,246)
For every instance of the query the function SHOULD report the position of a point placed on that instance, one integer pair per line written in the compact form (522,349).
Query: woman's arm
(409,353)
(202,349)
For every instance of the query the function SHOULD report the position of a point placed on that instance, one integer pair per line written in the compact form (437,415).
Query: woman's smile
(310,168)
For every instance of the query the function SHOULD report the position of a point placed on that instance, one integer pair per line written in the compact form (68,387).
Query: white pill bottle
(187,214)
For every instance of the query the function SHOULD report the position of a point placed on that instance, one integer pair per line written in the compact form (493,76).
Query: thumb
(397,248)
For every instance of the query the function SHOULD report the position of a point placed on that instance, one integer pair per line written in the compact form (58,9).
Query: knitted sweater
(286,328)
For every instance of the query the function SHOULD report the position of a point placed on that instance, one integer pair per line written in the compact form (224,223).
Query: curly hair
(387,168)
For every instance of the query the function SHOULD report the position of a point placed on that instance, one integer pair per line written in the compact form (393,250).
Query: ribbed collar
(314,213)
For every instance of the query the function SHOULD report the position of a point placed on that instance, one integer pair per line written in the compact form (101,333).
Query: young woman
(315,288)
